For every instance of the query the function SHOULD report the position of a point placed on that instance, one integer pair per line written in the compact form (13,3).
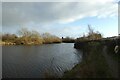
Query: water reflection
(36,61)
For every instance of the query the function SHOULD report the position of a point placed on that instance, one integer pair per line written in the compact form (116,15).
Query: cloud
(58,1)
(71,31)
(23,13)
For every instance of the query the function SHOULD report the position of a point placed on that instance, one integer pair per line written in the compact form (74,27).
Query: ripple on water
(35,61)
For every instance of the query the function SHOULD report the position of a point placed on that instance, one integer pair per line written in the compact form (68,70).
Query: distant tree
(68,40)
(24,32)
(36,37)
(49,38)
(29,37)
(9,37)
(46,35)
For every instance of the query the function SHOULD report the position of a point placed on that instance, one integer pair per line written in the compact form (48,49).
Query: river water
(38,61)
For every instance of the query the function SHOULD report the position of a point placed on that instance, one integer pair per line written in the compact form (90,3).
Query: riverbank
(30,43)
(7,43)
(94,64)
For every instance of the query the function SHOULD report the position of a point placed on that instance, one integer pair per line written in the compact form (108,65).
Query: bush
(48,38)
(68,40)
(9,37)
(92,35)
(27,37)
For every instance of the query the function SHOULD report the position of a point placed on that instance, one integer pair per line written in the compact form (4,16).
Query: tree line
(27,37)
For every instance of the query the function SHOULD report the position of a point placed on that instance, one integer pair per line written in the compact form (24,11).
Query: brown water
(39,61)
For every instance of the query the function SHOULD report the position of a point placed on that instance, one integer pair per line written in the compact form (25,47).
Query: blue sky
(61,18)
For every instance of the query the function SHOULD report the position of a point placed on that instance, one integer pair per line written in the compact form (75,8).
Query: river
(20,61)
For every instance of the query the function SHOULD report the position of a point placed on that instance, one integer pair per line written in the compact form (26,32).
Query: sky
(61,18)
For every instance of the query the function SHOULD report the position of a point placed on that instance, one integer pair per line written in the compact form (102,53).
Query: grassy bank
(93,64)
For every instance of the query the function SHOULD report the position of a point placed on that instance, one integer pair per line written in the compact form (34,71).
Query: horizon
(61,18)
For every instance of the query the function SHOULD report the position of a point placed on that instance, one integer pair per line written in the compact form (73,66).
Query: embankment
(97,61)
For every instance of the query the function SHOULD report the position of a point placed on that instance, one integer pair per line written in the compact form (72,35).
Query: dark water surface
(38,61)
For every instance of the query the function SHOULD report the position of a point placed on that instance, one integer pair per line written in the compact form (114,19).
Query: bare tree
(91,30)
(24,32)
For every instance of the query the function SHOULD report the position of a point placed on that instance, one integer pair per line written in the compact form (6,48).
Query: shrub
(92,35)
(68,40)
(27,37)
